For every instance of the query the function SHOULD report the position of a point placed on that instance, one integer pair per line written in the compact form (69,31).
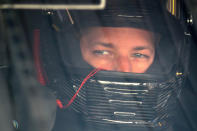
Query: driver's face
(118,49)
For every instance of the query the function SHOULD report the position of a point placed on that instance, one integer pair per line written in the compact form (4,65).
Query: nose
(123,64)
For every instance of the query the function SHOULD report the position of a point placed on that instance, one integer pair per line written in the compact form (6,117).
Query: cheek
(101,63)
(141,66)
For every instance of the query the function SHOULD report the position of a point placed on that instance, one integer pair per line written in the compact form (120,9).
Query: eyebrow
(138,48)
(108,45)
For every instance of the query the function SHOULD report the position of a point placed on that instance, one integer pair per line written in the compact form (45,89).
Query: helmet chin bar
(126,99)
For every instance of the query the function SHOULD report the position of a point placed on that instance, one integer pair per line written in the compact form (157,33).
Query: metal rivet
(50,13)
(179,73)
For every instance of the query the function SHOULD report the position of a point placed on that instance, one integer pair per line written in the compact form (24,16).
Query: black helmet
(111,100)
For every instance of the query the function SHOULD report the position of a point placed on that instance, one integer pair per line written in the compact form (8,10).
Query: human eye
(101,52)
(139,55)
